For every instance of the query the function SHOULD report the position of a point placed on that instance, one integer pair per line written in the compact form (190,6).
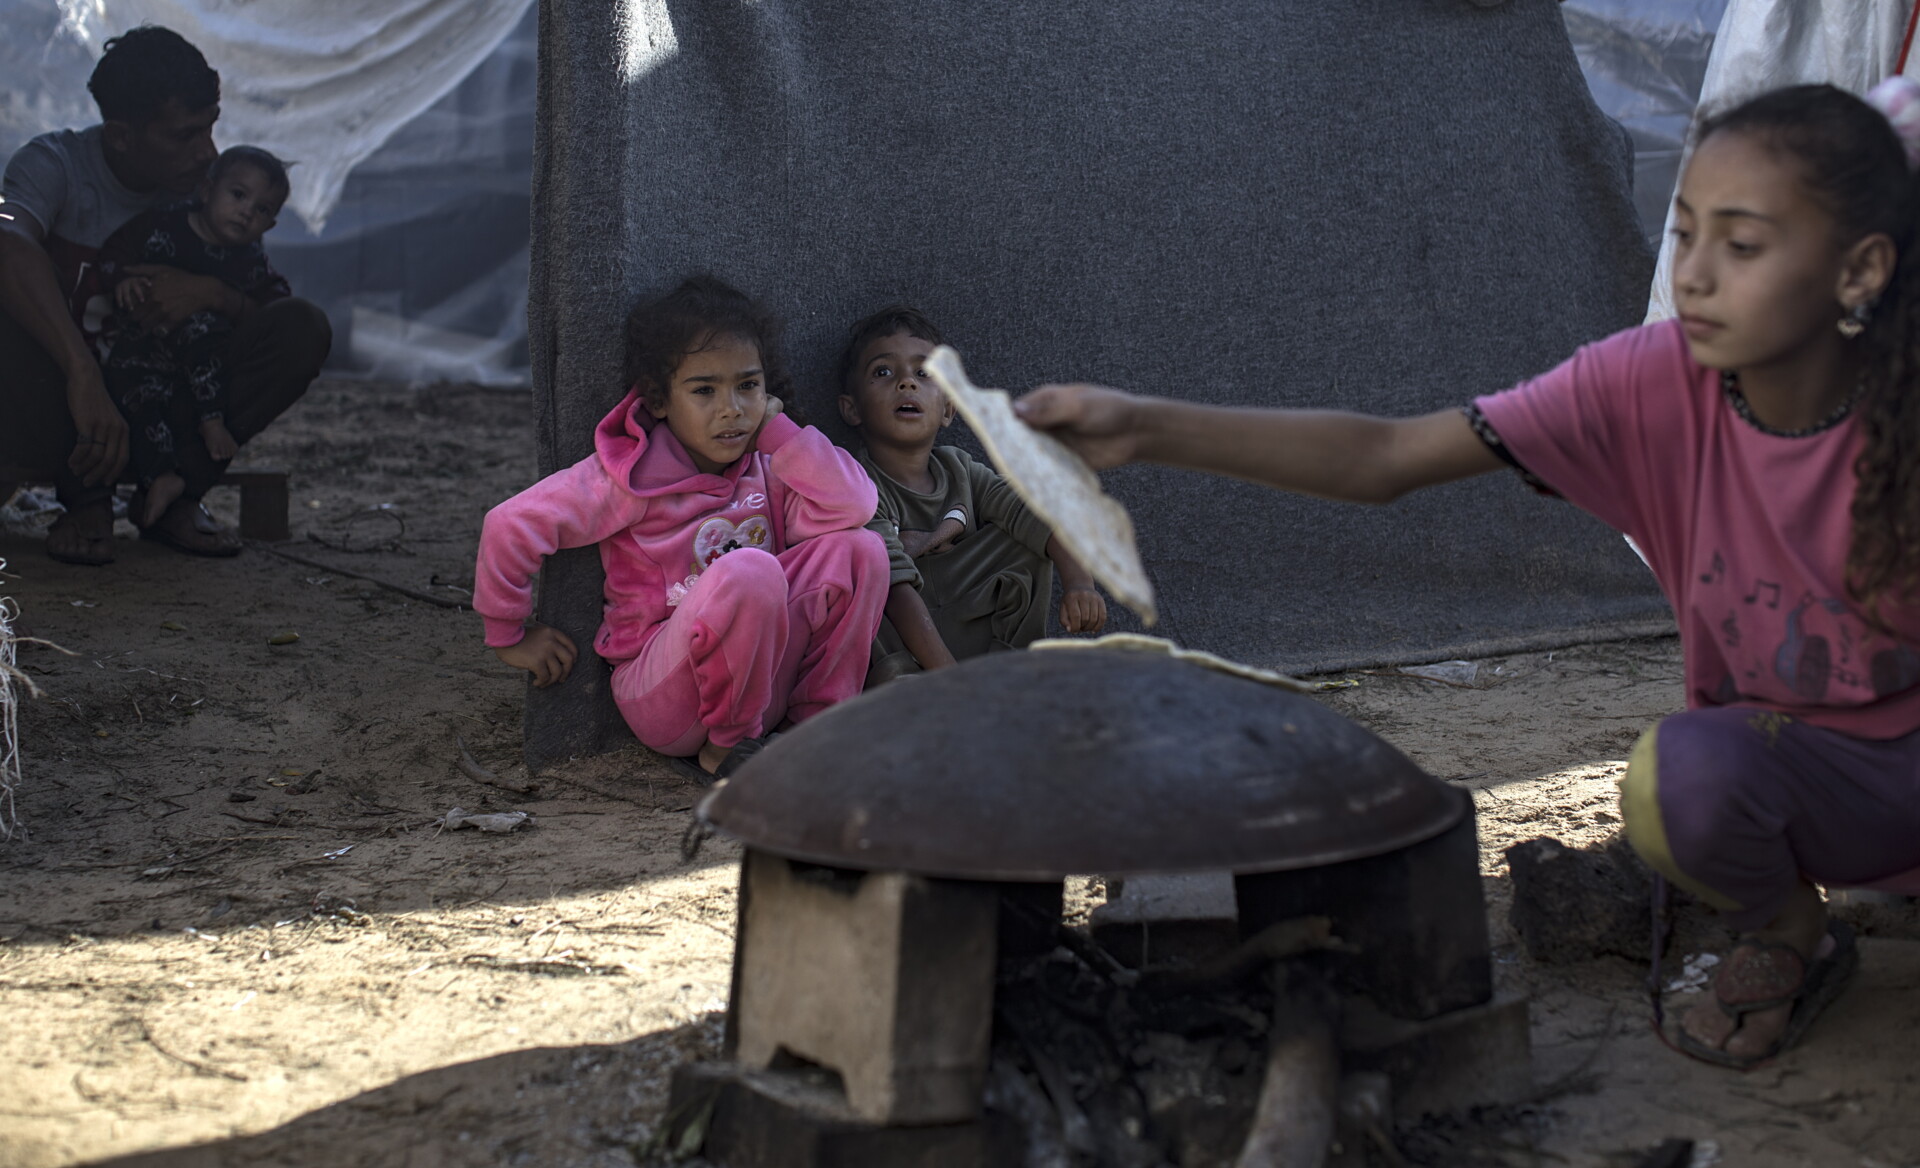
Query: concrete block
(738,1117)
(885,978)
(1479,1056)
(1417,917)
(263,501)
(1162,920)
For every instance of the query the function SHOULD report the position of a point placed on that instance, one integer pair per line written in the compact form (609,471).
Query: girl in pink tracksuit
(742,588)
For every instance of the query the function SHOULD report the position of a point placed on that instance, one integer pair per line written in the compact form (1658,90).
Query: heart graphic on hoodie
(718,536)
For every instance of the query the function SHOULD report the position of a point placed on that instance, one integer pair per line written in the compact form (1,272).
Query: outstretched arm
(1353,457)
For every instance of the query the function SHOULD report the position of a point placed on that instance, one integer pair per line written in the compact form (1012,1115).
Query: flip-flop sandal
(689,768)
(1743,987)
(743,750)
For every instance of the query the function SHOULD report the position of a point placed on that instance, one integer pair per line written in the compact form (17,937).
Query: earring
(1855,322)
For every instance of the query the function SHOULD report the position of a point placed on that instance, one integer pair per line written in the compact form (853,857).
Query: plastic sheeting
(412,125)
(1645,61)
(1765,44)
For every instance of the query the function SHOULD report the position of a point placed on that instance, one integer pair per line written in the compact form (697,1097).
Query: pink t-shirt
(1746,531)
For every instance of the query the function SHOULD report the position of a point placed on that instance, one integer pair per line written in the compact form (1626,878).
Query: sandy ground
(234,935)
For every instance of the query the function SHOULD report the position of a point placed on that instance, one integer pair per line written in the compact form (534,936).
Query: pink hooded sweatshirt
(659,521)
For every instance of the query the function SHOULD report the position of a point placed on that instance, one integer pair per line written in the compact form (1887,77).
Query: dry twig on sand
(470,767)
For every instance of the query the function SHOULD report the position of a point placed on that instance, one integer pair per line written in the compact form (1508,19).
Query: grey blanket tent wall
(1384,205)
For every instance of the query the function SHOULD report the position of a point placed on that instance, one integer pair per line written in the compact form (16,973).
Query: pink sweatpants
(760,637)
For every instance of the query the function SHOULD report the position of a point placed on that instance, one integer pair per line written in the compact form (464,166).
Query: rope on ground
(13,680)
(9,718)
(402,589)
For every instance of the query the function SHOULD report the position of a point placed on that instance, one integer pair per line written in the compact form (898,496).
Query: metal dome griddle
(1040,765)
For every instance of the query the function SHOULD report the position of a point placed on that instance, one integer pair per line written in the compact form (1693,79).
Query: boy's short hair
(265,161)
(662,330)
(894,318)
(143,69)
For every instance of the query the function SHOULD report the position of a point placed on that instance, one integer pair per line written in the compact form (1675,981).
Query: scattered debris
(470,767)
(285,638)
(496,821)
(1697,971)
(335,569)
(1450,672)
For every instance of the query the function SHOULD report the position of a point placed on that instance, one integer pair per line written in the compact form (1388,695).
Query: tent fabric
(1766,44)
(1376,205)
(422,261)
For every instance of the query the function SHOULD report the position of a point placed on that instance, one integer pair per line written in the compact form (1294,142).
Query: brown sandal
(1750,980)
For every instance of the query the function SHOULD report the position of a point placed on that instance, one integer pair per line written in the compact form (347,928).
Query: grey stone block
(884,978)
(1161,920)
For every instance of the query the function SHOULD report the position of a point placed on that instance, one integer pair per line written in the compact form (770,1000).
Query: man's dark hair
(266,162)
(143,69)
(662,330)
(894,318)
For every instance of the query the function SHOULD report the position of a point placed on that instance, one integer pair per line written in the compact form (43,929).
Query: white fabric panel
(321,83)
(1765,44)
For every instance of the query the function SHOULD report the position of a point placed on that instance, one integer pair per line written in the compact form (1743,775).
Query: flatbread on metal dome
(1141,643)
(1055,482)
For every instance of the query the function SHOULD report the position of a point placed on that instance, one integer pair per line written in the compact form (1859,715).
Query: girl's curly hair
(702,310)
(1854,166)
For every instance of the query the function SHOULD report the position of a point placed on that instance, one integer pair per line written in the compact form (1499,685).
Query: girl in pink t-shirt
(742,588)
(1763,451)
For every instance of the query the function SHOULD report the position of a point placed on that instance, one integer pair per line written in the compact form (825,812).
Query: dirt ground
(233,933)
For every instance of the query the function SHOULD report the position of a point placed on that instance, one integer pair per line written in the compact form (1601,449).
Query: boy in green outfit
(970,564)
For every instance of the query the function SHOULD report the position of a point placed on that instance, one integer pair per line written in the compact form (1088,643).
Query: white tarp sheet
(1765,44)
(326,84)
(412,125)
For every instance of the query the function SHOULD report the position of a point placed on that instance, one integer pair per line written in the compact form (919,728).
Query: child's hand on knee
(1083,610)
(219,440)
(545,652)
(927,543)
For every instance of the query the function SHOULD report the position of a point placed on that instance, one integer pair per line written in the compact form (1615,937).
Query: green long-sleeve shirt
(960,483)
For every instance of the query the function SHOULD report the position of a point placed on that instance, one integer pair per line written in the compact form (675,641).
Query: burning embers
(904,991)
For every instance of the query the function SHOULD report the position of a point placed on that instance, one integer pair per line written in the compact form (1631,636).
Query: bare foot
(220,443)
(159,497)
(186,527)
(83,535)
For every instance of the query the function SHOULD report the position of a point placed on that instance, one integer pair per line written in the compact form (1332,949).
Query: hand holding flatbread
(1053,481)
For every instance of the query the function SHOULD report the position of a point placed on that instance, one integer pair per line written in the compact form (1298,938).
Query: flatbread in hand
(1055,482)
